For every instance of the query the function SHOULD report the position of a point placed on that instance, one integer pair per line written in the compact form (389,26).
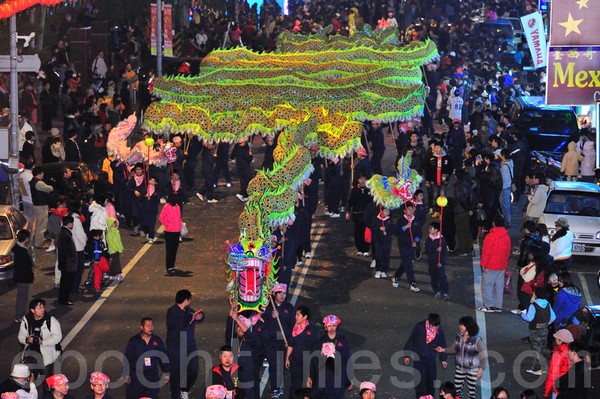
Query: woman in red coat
(559,361)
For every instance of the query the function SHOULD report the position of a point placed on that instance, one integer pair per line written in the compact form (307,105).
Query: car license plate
(578,247)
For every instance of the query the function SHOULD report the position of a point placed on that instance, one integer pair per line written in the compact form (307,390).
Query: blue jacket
(566,303)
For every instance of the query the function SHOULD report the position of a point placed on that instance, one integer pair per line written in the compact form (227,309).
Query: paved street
(376,318)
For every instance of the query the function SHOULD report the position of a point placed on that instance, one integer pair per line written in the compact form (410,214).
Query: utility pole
(159,38)
(13,160)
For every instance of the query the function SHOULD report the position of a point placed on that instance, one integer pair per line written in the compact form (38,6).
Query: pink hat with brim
(361,152)
(367,385)
(564,335)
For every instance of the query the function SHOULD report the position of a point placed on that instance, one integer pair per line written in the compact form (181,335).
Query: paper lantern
(149,142)
(441,201)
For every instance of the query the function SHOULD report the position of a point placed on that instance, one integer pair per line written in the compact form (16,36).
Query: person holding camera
(40,333)
(20,384)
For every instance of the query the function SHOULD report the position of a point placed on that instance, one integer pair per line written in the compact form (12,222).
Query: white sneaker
(308,255)
(299,263)
(212,201)
(240,197)
(51,248)
(228,185)
(383,275)
(414,288)
(334,215)
(395,282)
(373,263)
(185,395)
(245,199)
(365,254)
(377,274)
(327,213)
(515,311)
(150,241)
(200,197)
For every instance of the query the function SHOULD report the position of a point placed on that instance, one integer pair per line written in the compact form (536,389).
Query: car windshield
(545,121)
(573,203)
(5,231)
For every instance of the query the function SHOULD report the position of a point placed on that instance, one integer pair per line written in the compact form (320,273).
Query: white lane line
(585,289)
(484,385)
(301,274)
(100,301)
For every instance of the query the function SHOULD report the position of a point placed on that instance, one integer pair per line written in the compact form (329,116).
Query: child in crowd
(437,254)
(96,252)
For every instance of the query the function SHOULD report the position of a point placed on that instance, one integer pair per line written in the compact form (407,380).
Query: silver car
(579,203)
(11,221)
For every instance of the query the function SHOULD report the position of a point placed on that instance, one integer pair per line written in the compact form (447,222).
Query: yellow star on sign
(572,25)
(582,3)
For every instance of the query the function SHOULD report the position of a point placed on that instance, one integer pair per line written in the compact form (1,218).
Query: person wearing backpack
(40,332)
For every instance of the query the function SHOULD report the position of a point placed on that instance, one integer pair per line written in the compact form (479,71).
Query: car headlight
(551,232)
(4,259)
(598,235)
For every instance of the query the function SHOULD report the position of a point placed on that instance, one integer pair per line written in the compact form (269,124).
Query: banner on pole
(153,17)
(573,75)
(168,29)
(533,28)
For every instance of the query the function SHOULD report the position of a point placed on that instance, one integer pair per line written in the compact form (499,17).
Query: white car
(579,203)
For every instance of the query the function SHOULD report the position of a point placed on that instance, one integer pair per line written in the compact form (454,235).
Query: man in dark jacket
(67,260)
(181,324)
(23,274)
(72,150)
(226,372)
(148,347)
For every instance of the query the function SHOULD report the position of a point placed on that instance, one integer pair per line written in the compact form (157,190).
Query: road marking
(484,385)
(100,301)
(302,274)
(264,379)
(585,289)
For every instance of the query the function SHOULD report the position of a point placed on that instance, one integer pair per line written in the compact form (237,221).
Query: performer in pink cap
(334,380)
(367,390)
(59,387)
(99,383)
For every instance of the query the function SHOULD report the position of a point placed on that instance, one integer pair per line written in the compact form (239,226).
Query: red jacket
(559,366)
(496,249)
